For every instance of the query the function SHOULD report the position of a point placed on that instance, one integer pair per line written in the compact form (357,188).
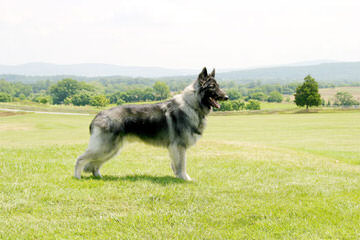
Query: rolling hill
(325,72)
(332,72)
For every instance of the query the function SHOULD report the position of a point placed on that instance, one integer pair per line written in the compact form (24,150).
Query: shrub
(258,96)
(82,98)
(275,96)
(253,105)
(4,97)
(43,100)
(233,94)
(120,102)
(237,105)
(345,99)
(99,101)
(234,105)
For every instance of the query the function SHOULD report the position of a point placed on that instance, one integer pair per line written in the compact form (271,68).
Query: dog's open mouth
(214,103)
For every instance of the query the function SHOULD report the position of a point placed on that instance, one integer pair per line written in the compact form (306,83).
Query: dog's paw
(185,177)
(77,177)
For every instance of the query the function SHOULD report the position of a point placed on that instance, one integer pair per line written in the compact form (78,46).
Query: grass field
(329,93)
(278,106)
(272,176)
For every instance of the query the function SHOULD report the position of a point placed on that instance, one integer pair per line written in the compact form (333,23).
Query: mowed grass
(277,106)
(279,176)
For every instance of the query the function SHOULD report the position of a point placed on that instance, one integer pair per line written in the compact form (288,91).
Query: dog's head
(210,90)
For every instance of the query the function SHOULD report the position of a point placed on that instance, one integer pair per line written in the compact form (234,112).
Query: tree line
(70,91)
(105,91)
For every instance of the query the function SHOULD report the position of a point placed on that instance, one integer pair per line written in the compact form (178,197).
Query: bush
(43,100)
(68,101)
(82,98)
(161,90)
(233,94)
(275,96)
(225,106)
(345,99)
(234,105)
(67,88)
(4,97)
(120,102)
(22,96)
(258,96)
(238,105)
(99,101)
(253,105)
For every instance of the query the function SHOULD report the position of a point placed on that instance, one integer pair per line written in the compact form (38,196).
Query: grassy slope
(329,93)
(256,176)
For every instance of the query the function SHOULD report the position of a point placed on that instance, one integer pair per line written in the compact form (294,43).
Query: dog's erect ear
(203,76)
(212,74)
(203,73)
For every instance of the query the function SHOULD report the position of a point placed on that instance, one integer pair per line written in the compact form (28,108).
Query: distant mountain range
(326,71)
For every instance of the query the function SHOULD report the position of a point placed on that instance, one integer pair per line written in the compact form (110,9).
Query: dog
(175,124)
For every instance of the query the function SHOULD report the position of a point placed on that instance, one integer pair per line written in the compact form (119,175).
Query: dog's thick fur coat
(175,124)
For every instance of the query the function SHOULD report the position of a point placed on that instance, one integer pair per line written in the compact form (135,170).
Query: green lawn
(277,106)
(271,176)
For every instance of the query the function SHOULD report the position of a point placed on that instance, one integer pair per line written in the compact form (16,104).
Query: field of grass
(329,93)
(278,176)
(278,106)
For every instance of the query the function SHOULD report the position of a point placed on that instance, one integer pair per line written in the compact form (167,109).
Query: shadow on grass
(162,180)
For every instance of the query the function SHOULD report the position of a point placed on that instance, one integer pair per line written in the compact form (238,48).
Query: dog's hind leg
(102,147)
(94,166)
(81,161)
(178,161)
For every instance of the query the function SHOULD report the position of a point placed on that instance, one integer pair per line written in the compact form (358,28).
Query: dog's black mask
(210,90)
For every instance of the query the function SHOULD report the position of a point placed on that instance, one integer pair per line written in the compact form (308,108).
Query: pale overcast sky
(179,34)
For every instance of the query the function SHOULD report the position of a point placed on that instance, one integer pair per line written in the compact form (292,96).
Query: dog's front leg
(178,161)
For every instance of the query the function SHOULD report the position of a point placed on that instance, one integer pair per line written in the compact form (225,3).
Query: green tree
(307,94)
(67,101)
(275,96)
(253,105)
(22,96)
(258,96)
(99,101)
(322,102)
(161,90)
(5,97)
(43,100)
(237,104)
(345,99)
(233,94)
(120,102)
(63,89)
(6,87)
(149,94)
(81,98)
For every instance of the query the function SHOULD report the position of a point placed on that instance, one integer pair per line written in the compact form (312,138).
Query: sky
(179,33)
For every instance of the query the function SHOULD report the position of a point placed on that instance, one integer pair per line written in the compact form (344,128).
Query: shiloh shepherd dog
(175,124)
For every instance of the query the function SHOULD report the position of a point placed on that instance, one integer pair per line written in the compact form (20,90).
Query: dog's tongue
(214,103)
